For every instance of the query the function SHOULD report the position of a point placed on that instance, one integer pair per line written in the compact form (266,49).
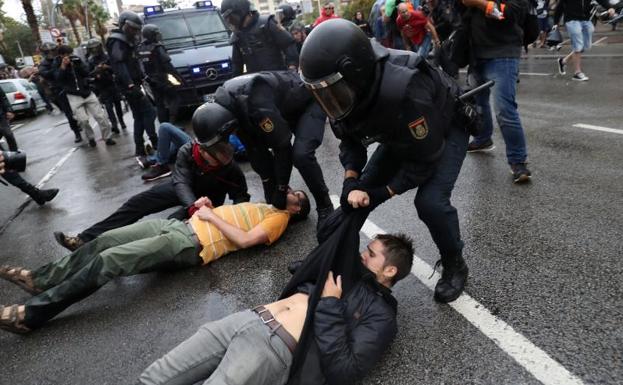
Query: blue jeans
(170,139)
(580,34)
(504,71)
(424,47)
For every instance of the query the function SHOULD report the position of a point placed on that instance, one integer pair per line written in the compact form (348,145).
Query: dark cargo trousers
(155,245)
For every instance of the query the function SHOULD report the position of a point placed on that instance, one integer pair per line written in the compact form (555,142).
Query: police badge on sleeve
(267,125)
(419,128)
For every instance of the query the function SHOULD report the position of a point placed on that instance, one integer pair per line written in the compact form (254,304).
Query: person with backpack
(258,42)
(495,31)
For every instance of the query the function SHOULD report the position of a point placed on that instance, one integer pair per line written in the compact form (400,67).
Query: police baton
(476,90)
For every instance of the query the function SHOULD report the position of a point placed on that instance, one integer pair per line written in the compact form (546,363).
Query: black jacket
(192,182)
(47,72)
(74,78)
(5,106)
(157,64)
(342,339)
(490,38)
(410,111)
(267,105)
(575,9)
(103,77)
(124,60)
(263,46)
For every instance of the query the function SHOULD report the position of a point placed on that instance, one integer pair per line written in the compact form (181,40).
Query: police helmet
(337,64)
(48,49)
(234,12)
(287,13)
(151,33)
(94,43)
(130,22)
(212,124)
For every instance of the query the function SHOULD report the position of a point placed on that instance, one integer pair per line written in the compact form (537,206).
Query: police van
(198,42)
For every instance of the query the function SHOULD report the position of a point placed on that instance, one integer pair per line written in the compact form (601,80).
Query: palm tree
(31,18)
(72,10)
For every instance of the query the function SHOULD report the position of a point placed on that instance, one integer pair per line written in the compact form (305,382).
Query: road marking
(16,126)
(56,167)
(43,180)
(532,358)
(600,40)
(522,73)
(61,123)
(598,128)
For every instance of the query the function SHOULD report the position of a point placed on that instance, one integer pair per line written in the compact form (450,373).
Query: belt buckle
(260,312)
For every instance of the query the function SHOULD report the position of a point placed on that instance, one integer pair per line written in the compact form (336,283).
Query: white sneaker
(580,77)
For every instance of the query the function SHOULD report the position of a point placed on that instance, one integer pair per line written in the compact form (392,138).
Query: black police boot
(453,279)
(40,196)
(78,137)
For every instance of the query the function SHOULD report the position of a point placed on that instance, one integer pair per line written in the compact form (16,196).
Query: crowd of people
(336,316)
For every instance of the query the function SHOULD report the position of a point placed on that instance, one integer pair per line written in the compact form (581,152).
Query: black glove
(349,185)
(279,197)
(378,195)
(269,189)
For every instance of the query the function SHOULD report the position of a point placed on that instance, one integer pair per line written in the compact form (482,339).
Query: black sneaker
(110,142)
(92,142)
(115,130)
(144,161)
(475,147)
(156,172)
(521,174)
(561,66)
(78,137)
(580,77)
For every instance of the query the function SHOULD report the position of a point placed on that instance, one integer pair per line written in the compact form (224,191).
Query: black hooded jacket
(192,182)
(342,339)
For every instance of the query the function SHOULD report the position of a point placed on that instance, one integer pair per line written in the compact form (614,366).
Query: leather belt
(275,327)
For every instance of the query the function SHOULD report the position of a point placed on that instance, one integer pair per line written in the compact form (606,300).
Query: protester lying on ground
(154,245)
(199,171)
(353,324)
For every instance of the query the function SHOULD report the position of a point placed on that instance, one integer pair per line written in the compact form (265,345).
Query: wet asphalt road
(544,257)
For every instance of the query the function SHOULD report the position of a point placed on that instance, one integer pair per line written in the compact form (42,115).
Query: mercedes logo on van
(211,73)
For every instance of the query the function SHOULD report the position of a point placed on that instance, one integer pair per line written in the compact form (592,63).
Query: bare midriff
(290,312)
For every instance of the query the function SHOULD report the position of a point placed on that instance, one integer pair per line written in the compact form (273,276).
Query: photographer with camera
(104,83)
(14,161)
(72,74)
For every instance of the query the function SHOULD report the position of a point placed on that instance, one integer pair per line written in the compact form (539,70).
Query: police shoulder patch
(267,125)
(419,128)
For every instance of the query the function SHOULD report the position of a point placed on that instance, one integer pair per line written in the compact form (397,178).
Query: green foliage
(167,3)
(15,31)
(354,6)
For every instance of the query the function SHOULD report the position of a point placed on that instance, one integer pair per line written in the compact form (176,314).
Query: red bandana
(200,162)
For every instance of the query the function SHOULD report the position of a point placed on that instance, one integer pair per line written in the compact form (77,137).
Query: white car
(23,96)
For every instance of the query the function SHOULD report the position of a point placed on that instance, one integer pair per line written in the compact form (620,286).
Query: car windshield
(174,31)
(8,87)
(207,26)
(189,29)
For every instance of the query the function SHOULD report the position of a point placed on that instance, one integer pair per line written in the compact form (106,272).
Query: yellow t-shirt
(245,216)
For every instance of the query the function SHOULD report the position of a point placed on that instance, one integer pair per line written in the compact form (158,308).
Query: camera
(14,160)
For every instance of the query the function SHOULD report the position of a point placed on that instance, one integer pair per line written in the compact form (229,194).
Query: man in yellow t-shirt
(154,245)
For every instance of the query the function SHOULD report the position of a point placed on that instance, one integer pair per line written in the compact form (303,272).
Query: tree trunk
(32,20)
(72,22)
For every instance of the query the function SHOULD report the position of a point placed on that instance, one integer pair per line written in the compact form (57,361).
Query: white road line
(532,358)
(56,167)
(600,40)
(16,126)
(522,73)
(598,128)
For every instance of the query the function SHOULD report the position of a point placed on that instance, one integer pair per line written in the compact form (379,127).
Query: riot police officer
(287,17)
(47,71)
(265,109)
(104,83)
(258,41)
(394,98)
(159,70)
(121,48)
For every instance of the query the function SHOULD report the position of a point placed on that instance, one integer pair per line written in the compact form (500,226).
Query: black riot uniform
(46,71)
(121,49)
(104,85)
(157,65)
(394,98)
(270,107)
(261,45)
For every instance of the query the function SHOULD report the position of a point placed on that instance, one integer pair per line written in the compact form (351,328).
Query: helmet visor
(221,151)
(334,95)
